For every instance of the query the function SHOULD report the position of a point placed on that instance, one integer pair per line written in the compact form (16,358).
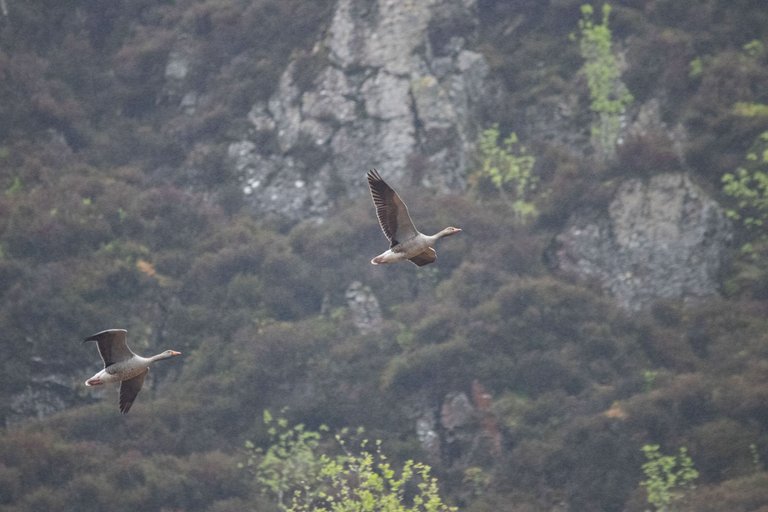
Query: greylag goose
(122,365)
(406,242)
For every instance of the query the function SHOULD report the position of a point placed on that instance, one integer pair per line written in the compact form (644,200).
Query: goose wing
(425,257)
(112,346)
(129,389)
(391,210)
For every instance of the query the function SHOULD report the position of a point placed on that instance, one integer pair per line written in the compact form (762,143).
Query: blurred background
(194,171)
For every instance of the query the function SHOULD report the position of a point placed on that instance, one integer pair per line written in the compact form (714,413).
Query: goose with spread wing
(122,365)
(406,242)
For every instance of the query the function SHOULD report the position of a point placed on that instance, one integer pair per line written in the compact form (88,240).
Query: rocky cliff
(392,85)
(395,85)
(659,238)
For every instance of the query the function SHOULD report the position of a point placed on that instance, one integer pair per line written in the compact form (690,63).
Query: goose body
(122,365)
(406,242)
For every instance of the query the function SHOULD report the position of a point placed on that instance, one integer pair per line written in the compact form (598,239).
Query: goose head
(449,231)
(166,355)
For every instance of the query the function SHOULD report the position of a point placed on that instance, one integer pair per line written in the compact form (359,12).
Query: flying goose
(406,242)
(122,365)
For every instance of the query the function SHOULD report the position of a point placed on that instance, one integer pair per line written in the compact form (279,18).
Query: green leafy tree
(288,463)
(608,94)
(301,478)
(509,168)
(667,477)
(748,185)
(366,481)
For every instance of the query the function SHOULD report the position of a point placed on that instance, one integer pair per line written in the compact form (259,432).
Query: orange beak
(173,352)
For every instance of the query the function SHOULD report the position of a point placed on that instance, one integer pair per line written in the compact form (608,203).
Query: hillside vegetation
(116,212)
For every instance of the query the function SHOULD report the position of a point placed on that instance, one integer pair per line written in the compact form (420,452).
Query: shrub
(362,479)
(509,167)
(748,185)
(723,448)
(744,493)
(609,96)
(437,367)
(748,189)
(645,155)
(668,477)
(289,463)
(662,60)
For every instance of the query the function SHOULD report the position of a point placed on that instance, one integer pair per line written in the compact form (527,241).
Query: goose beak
(174,353)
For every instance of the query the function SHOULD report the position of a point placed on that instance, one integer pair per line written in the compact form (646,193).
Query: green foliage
(668,477)
(757,462)
(754,48)
(748,186)
(366,481)
(649,379)
(509,168)
(15,187)
(695,67)
(609,96)
(748,109)
(477,480)
(747,189)
(301,478)
(289,463)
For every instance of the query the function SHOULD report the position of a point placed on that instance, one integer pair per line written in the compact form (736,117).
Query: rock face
(50,394)
(391,86)
(364,306)
(660,238)
(461,430)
